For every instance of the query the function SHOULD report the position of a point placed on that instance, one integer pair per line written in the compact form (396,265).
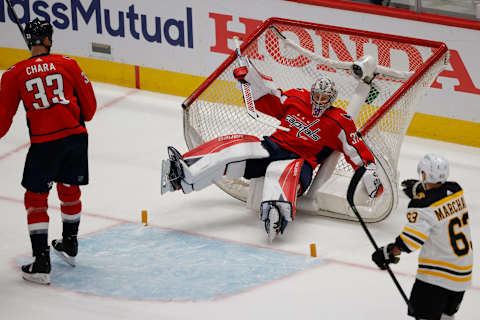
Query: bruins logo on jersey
(419,196)
(412,216)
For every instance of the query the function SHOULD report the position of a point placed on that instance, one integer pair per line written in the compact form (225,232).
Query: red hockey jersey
(57,96)
(314,138)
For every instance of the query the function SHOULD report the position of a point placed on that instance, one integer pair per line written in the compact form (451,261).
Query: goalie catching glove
(372,182)
(384,256)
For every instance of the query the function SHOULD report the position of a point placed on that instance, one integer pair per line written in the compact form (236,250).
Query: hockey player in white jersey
(438,223)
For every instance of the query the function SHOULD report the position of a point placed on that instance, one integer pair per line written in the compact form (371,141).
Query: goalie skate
(272,224)
(172,171)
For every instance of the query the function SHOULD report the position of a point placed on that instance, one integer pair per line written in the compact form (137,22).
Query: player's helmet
(36,31)
(435,167)
(322,95)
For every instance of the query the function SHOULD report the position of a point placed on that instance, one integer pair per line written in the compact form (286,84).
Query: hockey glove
(372,182)
(384,256)
(240,73)
(411,187)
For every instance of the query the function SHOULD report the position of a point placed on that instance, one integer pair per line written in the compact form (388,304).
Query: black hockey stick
(350,193)
(17,21)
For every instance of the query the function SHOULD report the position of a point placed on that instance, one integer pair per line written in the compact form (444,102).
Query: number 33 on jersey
(57,96)
(438,224)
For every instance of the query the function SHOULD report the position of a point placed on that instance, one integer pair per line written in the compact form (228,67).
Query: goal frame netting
(327,194)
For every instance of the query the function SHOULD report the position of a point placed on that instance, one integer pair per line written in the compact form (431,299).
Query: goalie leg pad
(223,156)
(255,189)
(282,183)
(325,171)
(235,169)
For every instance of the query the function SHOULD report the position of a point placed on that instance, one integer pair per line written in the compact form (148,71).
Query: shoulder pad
(452,186)
(293,91)
(297,95)
(423,200)
(419,203)
(335,111)
(419,196)
(426,198)
(337,114)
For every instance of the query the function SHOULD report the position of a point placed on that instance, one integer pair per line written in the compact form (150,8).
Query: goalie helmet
(322,95)
(435,167)
(36,31)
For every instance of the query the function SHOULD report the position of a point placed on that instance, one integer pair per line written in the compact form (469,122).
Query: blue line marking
(137,262)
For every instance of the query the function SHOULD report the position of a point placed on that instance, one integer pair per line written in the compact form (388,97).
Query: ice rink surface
(203,255)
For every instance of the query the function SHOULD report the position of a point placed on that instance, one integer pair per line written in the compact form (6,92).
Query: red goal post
(294,53)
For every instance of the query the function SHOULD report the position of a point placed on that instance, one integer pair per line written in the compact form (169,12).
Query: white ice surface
(128,139)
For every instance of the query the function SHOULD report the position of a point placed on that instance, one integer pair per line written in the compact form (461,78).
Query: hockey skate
(39,270)
(66,248)
(271,222)
(275,224)
(172,171)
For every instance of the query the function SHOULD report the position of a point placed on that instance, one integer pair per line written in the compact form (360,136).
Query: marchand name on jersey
(450,208)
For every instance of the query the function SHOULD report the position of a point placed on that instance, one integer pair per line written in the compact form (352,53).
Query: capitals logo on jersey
(304,128)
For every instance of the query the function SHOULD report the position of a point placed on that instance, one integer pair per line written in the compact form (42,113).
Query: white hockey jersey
(438,223)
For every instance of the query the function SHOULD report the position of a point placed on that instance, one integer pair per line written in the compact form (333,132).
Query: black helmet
(36,31)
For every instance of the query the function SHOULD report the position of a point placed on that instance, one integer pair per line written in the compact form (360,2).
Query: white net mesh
(217,108)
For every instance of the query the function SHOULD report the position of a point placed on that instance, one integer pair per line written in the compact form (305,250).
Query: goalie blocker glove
(412,187)
(384,256)
(240,73)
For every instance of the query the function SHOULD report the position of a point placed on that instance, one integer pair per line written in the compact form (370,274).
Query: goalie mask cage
(216,108)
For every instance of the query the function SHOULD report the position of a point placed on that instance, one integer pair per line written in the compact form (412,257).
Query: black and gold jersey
(438,223)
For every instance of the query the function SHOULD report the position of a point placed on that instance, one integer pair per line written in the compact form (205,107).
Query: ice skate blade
(39,278)
(271,235)
(65,257)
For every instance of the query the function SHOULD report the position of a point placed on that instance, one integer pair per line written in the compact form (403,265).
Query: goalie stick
(17,21)
(247,92)
(350,193)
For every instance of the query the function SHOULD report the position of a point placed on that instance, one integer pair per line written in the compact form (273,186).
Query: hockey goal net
(294,54)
